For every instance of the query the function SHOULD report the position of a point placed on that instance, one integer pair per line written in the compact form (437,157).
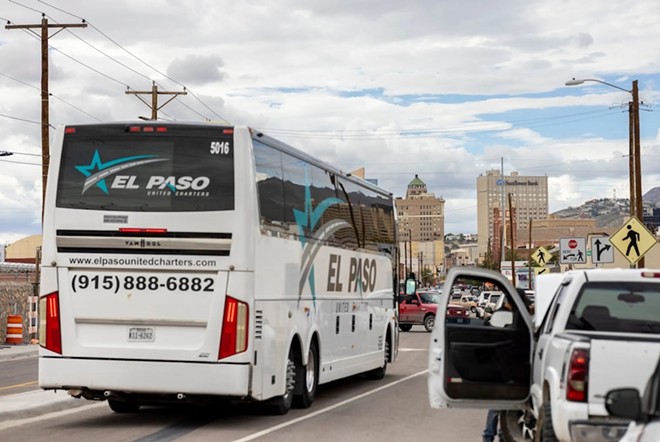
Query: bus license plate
(141,334)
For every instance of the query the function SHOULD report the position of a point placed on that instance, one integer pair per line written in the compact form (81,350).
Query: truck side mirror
(411,286)
(624,402)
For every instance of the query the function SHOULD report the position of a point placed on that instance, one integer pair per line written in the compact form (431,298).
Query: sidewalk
(18,351)
(32,403)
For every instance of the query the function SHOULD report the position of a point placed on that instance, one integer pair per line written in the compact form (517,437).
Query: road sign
(633,240)
(541,256)
(541,270)
(601,249)
(572,250)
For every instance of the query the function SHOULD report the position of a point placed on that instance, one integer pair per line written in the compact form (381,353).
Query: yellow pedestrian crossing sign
(541,256)
(633,240)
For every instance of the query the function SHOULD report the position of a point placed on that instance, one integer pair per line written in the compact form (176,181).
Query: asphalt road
(355,409)
(17,376)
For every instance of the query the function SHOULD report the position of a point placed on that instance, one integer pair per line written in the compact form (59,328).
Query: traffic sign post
(633,240)
(572,250)
(601,249)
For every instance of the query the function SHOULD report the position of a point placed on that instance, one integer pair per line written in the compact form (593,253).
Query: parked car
(484,297)
(643,411)
(457,314)
(469,302)
(600,331)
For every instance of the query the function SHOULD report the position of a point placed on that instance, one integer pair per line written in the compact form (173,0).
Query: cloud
(197,69)
(442,89)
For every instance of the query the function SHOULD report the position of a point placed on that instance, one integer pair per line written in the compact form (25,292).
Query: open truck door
(484,362)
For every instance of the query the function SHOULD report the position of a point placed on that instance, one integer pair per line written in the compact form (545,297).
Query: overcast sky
(443,89)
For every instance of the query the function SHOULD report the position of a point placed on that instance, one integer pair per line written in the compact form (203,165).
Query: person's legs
(491,426)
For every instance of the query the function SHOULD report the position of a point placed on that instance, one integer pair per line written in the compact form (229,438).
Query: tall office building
(529,200)
(421,217)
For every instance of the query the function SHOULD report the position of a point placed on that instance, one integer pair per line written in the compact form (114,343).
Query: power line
(21,119)
(141,61)
(52,95)
(20,162)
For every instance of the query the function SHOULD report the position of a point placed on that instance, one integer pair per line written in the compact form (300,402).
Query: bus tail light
(578,376)
(50,333)
(234,336)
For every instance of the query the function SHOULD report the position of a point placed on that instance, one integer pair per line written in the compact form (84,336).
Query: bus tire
(307,379)
(379,373)
(405,327)
(123,406)
(280,405)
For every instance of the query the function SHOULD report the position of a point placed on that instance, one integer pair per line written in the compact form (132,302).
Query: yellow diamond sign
(633,240)
(541,270)
(541,256)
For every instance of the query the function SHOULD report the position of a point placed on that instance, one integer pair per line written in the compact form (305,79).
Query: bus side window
(270,186)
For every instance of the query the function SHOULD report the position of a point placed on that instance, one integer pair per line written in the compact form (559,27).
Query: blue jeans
(491,427)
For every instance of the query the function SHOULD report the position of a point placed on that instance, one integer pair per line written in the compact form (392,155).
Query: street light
(635,166)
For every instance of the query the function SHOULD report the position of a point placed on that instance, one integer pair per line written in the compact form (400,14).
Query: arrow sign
(601,249)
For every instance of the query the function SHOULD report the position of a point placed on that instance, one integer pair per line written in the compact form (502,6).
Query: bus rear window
(178,171)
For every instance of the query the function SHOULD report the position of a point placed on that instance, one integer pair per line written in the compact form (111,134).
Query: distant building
(24,250)
(421,218)
(529,200)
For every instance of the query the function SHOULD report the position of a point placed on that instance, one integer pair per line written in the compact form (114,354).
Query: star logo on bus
(106,170)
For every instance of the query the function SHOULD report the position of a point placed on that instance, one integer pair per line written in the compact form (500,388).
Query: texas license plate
(141,334)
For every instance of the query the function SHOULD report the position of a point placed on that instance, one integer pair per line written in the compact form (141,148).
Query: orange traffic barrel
(14,329)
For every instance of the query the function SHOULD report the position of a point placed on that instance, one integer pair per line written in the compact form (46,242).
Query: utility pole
(513,242)
(45,123)
(154,92)
(529,258)
(639,203)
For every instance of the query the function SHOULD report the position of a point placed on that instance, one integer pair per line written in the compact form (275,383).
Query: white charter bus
(192,262)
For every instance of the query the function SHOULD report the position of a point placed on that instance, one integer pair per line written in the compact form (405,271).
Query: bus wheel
(307,379)
(123,406)
(281,404)
(379,373)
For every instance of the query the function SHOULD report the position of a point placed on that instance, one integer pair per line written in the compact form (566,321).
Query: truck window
(617,307)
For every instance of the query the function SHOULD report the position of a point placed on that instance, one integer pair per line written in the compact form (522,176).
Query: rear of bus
(144,290)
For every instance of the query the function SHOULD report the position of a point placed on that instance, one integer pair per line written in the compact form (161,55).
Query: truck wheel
(545,432)
(405,327)
(517,425)
(123,406)
(307,379)
(280,405)
(379,373)
(429,322)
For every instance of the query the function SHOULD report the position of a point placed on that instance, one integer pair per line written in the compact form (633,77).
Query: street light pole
(635,164)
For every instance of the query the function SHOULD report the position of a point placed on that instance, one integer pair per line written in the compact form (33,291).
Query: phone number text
(115,283)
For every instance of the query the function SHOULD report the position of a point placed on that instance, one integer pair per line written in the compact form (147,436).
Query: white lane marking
(19,421)
(326,409)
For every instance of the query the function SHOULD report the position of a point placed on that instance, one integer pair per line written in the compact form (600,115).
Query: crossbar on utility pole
(45,123)
(154,92)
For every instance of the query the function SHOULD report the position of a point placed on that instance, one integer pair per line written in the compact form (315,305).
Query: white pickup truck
(599,331)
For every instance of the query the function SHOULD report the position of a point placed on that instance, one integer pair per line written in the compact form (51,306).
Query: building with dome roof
(421,217)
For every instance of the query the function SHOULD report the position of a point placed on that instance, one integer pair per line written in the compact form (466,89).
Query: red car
(457,314)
